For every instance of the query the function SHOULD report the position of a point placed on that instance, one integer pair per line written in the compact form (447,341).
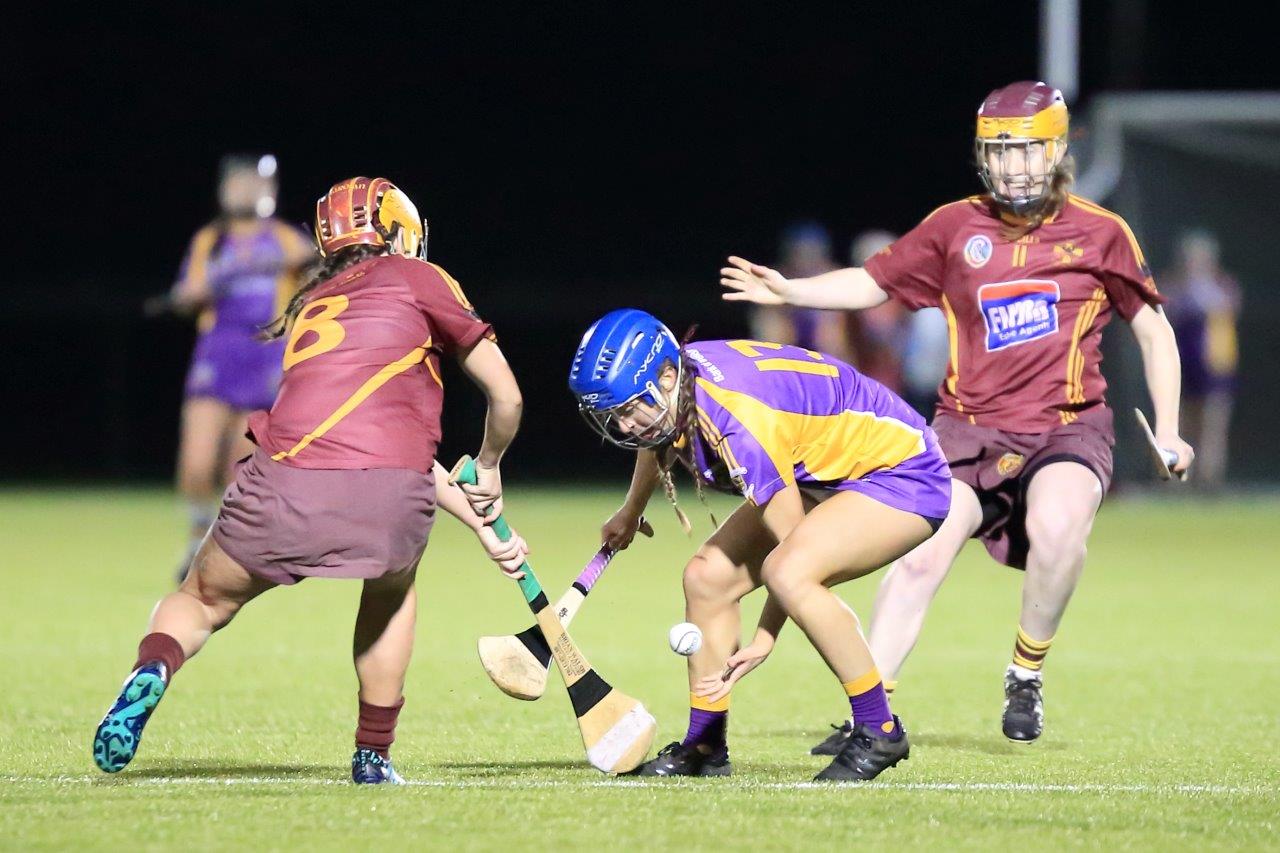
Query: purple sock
(870,705)
(706,728)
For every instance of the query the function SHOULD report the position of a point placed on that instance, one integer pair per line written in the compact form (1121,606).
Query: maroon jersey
(1025,313)
(362,382)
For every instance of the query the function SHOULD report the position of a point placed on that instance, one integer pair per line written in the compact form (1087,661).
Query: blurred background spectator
(804,250)
(1204,308)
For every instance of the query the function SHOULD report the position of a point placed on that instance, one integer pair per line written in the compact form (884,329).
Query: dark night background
(570,161)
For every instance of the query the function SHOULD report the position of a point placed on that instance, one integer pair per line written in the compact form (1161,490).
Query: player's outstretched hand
(1186,454)
(622,527)
(748,282)
(715,687)
(485,496)
(509,555)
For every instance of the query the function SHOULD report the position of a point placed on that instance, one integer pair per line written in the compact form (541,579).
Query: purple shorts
(234,368)
(284,524)
(999,465)
(920,485)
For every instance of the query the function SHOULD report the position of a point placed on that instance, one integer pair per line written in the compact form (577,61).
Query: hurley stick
(518,663)
(616,729)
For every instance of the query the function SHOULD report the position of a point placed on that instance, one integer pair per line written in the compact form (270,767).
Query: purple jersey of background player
(248,278)
(773,415)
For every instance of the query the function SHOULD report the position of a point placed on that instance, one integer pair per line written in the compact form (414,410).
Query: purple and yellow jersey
(773,415)
(248,275)
(249,278)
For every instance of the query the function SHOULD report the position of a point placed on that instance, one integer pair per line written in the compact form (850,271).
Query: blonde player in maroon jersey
(1027,276)
(343,482)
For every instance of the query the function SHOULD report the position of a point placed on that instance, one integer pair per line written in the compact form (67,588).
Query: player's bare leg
(213,592)
(383,642)
(723,570)
(382,648)
(1212,444)
(1062,500)
(205,423)
(905,594)
(847,536)
(912,581)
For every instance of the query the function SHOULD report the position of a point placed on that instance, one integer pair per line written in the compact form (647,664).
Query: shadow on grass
(491,768)
(988,744)
(212,768)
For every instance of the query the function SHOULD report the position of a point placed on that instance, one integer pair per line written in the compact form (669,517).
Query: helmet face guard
(1020,144)
(1022,181)
(606,423)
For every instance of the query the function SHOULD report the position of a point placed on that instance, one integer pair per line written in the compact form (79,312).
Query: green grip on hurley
(465,472)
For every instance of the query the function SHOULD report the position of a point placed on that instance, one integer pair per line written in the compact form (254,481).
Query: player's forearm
(772,618)
(644,479)
(848,289)
(187,297)
(1163,372)
(501,424)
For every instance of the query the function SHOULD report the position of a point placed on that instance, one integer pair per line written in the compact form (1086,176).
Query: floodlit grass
(1161,692)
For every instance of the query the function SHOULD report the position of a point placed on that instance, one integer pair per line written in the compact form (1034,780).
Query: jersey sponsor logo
(716,373)
(1017,312)
(977,250)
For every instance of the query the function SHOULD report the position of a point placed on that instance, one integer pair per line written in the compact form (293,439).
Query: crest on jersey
(1067,253)
(1009,463)
(1018,312)
(977,250)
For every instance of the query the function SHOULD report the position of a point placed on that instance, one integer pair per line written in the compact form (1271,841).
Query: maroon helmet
(1020,143)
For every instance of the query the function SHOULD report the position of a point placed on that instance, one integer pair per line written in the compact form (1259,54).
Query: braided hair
(321,272)
(682,449)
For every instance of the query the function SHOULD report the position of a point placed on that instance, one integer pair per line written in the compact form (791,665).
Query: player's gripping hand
(1174,442)
(748,282)
(716,687)
(509,555)
(485,496)
(622,527)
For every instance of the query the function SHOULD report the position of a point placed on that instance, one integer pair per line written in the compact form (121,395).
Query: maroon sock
(163,648)
(377,727)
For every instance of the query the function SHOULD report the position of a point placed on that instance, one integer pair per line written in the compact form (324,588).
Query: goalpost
(1174,161)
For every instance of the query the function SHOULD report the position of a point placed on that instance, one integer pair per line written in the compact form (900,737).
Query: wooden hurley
(1162,460)
(616,729)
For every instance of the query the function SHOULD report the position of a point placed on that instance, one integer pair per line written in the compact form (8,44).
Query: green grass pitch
(1162,694)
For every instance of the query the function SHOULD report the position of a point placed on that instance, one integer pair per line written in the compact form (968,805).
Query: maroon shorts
(999,465)
(284,524)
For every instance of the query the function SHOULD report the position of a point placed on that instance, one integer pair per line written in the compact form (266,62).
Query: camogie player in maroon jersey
(1027,276)
(343,482)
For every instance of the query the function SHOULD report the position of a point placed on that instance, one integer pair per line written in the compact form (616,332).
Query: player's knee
(1058,533)
(707,577)
(918,567)
(783,574)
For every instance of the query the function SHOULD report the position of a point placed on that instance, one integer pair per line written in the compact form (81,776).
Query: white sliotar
(685,638)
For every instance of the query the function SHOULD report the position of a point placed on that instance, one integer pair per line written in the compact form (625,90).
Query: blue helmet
(619,360)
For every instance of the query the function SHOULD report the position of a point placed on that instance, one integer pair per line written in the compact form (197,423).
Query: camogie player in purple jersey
(839,477)
(238,273)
